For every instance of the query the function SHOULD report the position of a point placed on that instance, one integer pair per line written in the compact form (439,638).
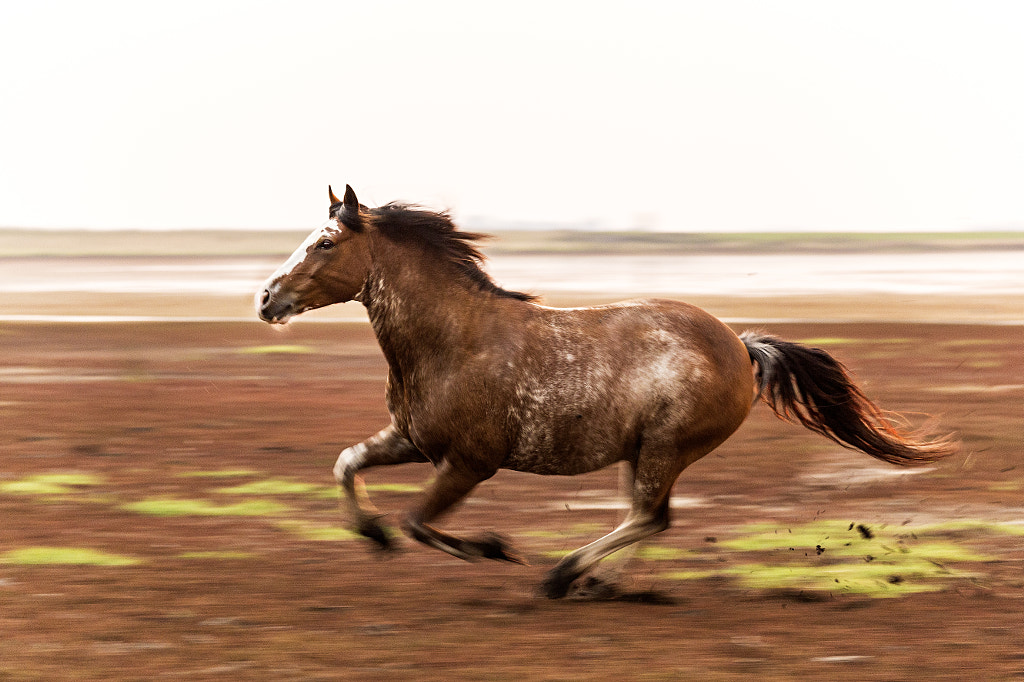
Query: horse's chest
(447,417)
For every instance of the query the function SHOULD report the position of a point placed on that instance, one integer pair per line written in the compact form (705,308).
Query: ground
(167,511)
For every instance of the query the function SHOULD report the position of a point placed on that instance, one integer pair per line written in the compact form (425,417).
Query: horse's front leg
(387,447)
(451,485)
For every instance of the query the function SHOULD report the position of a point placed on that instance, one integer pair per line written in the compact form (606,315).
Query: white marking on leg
(349,461)
(633,529)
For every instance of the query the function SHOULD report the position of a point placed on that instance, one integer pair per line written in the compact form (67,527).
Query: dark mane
(406,223)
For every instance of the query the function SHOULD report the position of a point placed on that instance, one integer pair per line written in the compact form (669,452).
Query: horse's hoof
(597,589)
(556,584)
(376,532)
(554,588)
(497,548)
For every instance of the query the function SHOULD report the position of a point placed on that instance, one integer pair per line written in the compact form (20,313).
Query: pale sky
(691,116)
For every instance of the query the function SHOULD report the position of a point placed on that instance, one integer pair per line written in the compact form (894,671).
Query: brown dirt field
(140,408)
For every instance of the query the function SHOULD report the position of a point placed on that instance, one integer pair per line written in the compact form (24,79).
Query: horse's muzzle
(271,310)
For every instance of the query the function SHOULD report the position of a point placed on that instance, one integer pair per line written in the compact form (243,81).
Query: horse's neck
(422,318)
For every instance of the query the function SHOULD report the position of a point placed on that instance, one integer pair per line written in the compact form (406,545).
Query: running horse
(481,378)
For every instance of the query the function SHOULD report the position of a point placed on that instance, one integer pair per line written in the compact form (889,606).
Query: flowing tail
(809,386)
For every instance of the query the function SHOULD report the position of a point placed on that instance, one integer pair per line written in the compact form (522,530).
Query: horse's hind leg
(648,514)
(638,525)
(387,447)
(451,485)
(610,571)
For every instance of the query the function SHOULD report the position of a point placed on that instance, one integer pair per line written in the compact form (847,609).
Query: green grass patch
(50,484)
(280,486)
(188,507)
(222,555)
(279,349)
(545,534)
(967,343)
(760,537)
(837,556)
(827,341)
(221,473)
(838,539)
(875,579)
(558,553)
(287,486)
(79,556)
(318,532)
(655,553)
(393,488)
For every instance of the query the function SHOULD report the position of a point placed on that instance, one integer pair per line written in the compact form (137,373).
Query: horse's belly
(555,465)
(561,450)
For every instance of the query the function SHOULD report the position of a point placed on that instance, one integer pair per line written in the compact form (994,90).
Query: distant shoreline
(968,287)
(23,242)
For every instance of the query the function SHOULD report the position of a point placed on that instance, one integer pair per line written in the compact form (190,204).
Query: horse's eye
(325,244)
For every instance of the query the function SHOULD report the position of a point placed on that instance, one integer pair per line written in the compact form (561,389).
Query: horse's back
(645,329)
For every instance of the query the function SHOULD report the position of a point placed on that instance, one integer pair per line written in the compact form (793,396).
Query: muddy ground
(194,459)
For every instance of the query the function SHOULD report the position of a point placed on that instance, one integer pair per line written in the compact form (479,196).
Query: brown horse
(482,379)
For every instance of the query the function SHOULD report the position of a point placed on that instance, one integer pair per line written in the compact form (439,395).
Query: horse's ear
(334,199)
(351,203)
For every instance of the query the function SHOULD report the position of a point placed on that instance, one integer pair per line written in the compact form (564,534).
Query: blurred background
(843,175)
(580,128)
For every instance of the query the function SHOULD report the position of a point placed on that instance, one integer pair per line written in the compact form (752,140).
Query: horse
(481,378)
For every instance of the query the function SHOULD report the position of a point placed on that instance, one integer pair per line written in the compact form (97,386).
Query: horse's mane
(402,222)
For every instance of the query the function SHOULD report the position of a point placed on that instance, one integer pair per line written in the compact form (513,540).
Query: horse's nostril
(265,298)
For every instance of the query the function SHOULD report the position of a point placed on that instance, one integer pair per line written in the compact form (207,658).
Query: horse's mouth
(284,319)
(281,316)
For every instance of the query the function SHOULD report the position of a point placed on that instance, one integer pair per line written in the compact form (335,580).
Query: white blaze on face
(328,229)
(272,286)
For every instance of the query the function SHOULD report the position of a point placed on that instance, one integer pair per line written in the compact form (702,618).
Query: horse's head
(329,267)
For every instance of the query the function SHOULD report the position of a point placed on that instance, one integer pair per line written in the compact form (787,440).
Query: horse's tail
(809,386)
